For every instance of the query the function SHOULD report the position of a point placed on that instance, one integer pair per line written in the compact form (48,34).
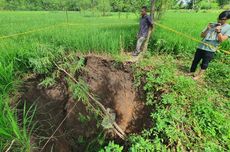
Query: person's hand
(209,26)
(218,29)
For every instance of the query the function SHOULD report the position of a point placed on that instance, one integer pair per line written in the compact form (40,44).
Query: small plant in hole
(47,82)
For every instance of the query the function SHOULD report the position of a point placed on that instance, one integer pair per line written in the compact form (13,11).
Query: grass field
(112,35)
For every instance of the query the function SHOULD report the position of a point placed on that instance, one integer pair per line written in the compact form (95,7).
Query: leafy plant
(83,119)
(6,77)
(140,144)
(175,113)
(13,132)
(112,147)
(80,91)
(47,82)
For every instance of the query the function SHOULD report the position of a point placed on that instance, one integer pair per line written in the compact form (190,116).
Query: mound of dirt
(111,82)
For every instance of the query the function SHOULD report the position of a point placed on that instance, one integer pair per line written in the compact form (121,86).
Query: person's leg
(138,46)
(196,60)
(208,56)
(199,75)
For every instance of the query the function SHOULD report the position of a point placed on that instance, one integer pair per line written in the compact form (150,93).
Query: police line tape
(77,24)
(189,37)
(31,31)
(58,25)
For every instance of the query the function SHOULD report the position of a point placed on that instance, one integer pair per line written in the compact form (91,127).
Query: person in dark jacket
(145,24)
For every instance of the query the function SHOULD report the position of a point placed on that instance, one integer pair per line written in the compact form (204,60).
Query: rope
(189,37)
(31,31)
(54,26)
(114,24)
(101,24)
(58,127)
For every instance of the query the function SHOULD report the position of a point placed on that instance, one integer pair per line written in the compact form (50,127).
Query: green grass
(14,131)
(111,35)
(189,23)
(188,116)
(218,75)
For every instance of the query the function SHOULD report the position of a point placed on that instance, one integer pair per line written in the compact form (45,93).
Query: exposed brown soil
(109,81)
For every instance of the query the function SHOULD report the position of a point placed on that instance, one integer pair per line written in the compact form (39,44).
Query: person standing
(213,35)
(145,24)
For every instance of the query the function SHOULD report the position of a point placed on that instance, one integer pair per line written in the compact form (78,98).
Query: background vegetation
(188,116)
(108,5)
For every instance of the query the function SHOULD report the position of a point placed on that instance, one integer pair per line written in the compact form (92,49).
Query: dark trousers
(203,55)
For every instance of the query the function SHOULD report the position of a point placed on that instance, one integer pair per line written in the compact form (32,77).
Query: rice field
(85,33)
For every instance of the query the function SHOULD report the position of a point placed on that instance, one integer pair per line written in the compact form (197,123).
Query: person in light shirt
(213,35)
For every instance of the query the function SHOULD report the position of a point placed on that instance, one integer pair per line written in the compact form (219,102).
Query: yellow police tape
(57,25)
(32,31)
(74,24)
(189,37)
(101,24)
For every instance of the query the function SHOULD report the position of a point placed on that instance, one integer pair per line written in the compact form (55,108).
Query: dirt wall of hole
(111,82)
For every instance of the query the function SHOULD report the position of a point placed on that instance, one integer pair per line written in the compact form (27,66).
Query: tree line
(105,5)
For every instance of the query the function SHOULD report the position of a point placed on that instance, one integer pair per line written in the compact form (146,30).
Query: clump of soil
(109,81)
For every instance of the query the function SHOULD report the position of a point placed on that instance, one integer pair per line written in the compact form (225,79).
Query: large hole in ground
(111,82)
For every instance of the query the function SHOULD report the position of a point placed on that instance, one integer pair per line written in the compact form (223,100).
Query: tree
(193,4)
(158,6)
(161,6)
(118,6)
(222,3)
(72,5)
(2,4)
(84,4)
(103,6)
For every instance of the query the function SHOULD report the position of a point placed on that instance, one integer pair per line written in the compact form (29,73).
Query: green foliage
(112,147)
(41,65)
(83,119)
(140,144)
(6,77)
(226,7)
(193,4)
(47,82)
(222,2)
(159,78)
(107,5)
(218,76)
(208,4)
(11,130)
(104,6)
(42,61)
(83,5)
(117,5)
(186,116)
(75,64)
(162,6)
(177,113)
(205,5)
(80,91)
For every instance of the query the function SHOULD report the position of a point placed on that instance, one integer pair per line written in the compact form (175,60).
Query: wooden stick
(116,128)
(8,149)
